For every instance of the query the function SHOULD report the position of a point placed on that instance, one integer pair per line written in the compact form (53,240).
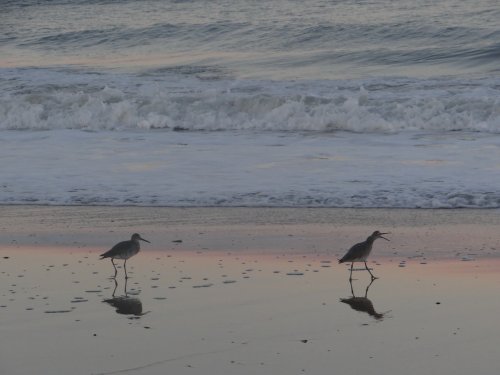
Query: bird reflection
(124,304)
(362,304)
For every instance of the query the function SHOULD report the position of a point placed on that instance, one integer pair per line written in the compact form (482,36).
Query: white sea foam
(127,102)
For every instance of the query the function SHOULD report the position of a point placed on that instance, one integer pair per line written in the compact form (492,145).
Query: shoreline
(463,213)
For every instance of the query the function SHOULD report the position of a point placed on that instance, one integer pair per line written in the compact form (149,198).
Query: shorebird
(361,251)
(124,250)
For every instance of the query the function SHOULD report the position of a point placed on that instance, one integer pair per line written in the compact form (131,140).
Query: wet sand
(248,291)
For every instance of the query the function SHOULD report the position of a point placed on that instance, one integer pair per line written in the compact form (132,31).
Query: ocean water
(339,103)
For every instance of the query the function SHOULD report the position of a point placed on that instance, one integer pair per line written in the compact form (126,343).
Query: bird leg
(368,287)
(350,275)
(373,277)
(116,286)
(116,271)
(125,267)
(352,289)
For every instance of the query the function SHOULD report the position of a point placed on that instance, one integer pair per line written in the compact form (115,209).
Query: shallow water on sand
(241,313)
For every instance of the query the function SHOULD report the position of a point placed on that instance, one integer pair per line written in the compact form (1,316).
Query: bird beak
(380,235)
(142,239)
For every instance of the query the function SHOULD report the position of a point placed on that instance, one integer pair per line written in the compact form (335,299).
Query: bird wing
(353,253)
(114,250)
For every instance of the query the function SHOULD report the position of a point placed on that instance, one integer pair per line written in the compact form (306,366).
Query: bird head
(137,237)
(378,234)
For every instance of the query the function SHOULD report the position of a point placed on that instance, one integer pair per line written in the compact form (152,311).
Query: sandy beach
(248,291)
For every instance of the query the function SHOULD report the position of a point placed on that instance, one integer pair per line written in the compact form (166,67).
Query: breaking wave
(172,101)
